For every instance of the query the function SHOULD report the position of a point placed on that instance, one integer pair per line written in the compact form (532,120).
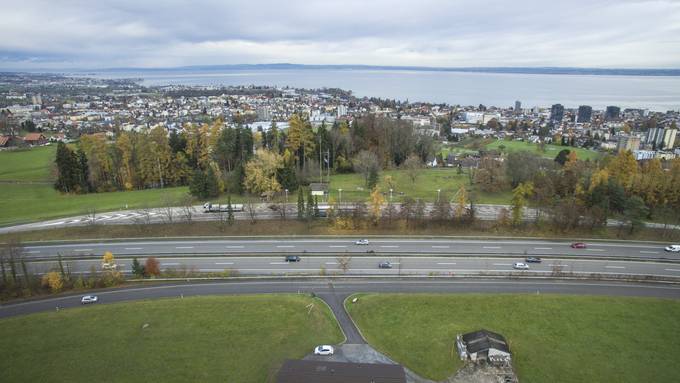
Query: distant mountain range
(517,70)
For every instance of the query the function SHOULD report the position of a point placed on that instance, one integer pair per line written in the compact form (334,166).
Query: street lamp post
(390,195)
(340,199)
(286,205)
(438,191)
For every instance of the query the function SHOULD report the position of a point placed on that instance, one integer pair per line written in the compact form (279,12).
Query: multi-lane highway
(343,256)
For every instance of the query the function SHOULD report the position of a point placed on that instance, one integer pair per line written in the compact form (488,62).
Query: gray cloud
(154,33)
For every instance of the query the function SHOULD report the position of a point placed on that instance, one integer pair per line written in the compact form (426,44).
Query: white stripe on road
(614,267)
(184,247)
(595,249)
(224,263)
(331,263)
(279,263)
(542,248)
(649,252)
(556,265)
(440,247)
(133,248)
(284,246)
(32,252)
(502,264)
(337,246)
(234,247)
(389,247)
(446,263)
(672,270)
(82,250)
(170,264)
(491,247)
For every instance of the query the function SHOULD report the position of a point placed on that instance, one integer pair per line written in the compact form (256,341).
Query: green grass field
(201,339)
(425,186)
(553,338)
(27,165)
(551,151)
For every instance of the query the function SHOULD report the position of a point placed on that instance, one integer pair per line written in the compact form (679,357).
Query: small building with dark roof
(314,371)
(319,189)
(483,345)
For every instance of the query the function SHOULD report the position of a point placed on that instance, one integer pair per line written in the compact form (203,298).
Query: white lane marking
(614,267)
(184,247)
(234,247)
(82,250)
(502,264)
(331,263)
(556,265)
(542,248)
(389,246)
(672,270)
(337,246)
(284,246)
(32,252)
(441,247)
(278,263)
(491,247)
(133,248)
(446,263)
(595,249)
(649,252)
(170,264)
(224,263)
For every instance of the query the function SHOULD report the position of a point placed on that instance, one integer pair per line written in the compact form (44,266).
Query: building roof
(483,340)
(312,371)
(34,137)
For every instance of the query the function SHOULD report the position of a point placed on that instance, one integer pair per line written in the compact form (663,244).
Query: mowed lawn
(551,151)
(425,186)
(200,339)
(553,338)
(27,192)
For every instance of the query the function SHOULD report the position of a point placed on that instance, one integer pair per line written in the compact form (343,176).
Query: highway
(334,246)
(339,289)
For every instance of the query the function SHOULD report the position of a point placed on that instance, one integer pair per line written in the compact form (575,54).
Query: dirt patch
(476,373)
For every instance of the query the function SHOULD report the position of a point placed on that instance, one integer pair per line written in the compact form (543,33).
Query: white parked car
(109,266)
(89,299)
(361,242)
(673,248)
(520,266)
(324,350)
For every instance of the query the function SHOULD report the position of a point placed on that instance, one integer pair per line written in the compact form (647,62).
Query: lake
(658,93)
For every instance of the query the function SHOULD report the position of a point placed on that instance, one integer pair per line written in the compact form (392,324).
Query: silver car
(89,299)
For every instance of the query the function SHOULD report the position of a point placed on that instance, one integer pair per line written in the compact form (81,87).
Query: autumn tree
(108,258)
(261,173)
(300,137)
(462,201)
(376,202)
(519,201)
(54,281)
(413,166)
(152,267)
(623,169)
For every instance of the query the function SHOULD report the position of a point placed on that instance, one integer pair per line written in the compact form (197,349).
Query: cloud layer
(153,33)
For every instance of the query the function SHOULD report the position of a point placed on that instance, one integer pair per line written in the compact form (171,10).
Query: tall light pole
(286,205)
(438,191)
(340,199)
(390,195)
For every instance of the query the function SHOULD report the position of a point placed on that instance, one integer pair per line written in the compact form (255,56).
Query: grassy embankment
(206,339)
(553,338)
(468,147)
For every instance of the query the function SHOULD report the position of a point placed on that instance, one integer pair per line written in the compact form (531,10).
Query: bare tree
(12,251)
(187,208)
(413,166)
(91,216)
(143,216)
(344,262)
(167,210)
(251,209)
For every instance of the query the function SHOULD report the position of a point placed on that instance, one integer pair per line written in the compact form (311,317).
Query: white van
(673,248)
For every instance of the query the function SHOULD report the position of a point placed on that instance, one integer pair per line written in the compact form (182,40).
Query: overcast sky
(166,33)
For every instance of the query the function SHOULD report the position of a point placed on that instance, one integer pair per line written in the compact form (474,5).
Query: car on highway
(673,248)
(578,245)
(385,265)
(292,258)
(532,260)
(520,266)
(362,242)
(324,350)
(89,299)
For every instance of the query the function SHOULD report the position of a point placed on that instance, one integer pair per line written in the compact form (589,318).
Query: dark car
(578,245)
(385,265)
(533,260)
(292,258)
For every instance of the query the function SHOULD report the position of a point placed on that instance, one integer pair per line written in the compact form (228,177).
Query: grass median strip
(226,339)
(554,338)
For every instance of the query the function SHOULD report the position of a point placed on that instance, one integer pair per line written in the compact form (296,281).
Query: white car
(673,248)
(89,299)
(520,266)
(361,242)
(324,350)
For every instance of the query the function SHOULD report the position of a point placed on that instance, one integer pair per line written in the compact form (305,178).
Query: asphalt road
(347,246)
(343,288)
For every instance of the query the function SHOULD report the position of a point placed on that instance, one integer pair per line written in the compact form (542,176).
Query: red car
(578,245)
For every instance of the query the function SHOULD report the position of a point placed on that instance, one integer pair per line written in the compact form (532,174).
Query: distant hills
(515,70)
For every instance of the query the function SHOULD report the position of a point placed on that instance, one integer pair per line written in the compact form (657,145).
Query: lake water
(656,93)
